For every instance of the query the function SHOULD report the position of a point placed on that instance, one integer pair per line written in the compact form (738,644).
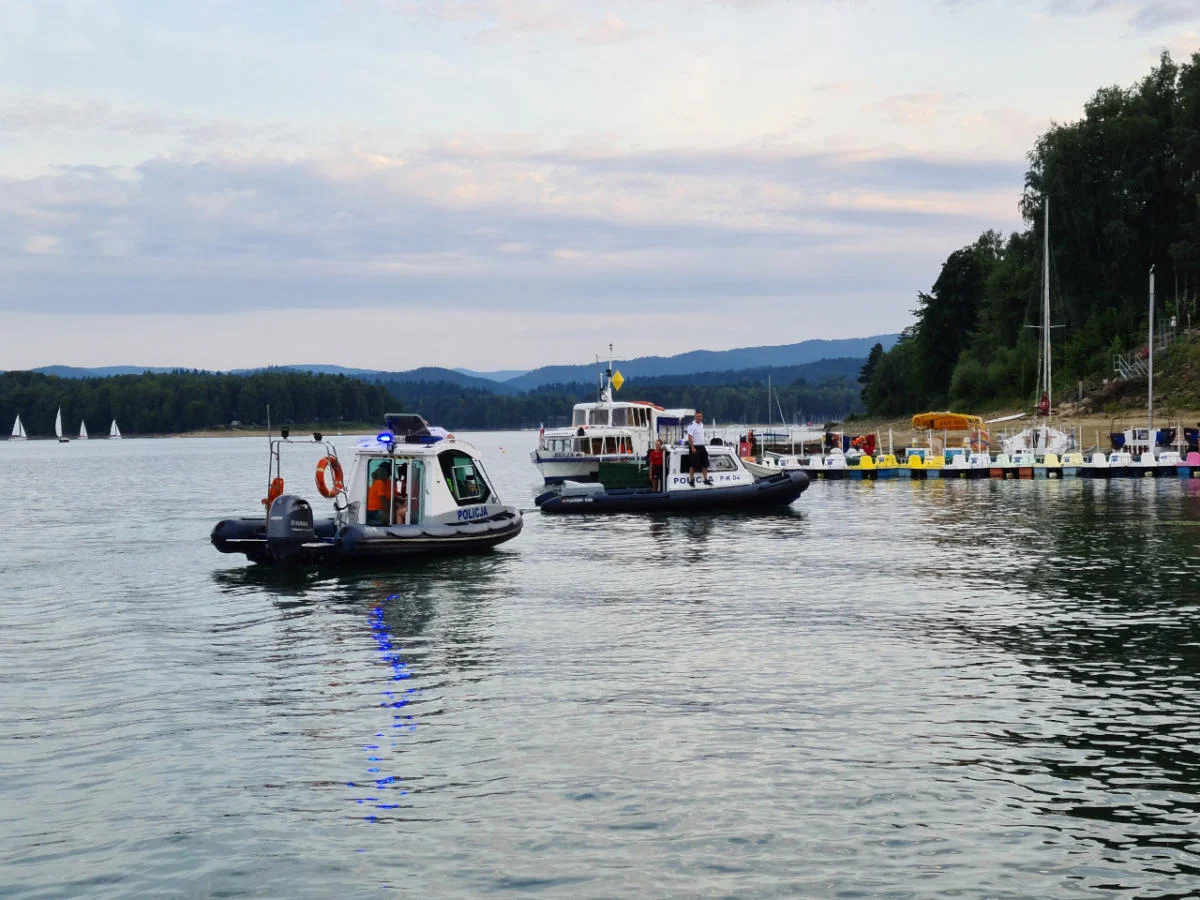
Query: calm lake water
(905,689)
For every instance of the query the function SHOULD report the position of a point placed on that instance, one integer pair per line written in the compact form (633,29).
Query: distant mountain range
(701,366)
(709,361)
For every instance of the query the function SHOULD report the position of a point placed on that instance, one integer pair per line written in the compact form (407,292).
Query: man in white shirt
(697,450)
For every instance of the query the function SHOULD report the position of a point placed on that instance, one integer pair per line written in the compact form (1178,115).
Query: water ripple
(889,690)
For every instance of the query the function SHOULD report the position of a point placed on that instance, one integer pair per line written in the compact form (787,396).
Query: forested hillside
(454,407)
(1123,184)
(186,401)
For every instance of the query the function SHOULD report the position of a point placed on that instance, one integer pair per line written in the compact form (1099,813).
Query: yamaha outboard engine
(289,527)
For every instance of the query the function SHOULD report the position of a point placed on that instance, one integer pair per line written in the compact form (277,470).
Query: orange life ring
(274,491)
(339,485)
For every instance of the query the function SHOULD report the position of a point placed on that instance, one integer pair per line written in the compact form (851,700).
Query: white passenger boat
(605,431)
(410,492)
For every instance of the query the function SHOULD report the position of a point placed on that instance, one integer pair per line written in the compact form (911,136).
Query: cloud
(505,229)
(1164,13)
(1141,15)
(914,109)
(609,30)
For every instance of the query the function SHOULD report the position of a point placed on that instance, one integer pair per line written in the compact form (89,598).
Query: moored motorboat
(772,464)
(410,492)
(733,487)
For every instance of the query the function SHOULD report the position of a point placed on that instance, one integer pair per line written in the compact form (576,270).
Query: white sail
(18,432)
(83,430)
(114,431)
(58,424)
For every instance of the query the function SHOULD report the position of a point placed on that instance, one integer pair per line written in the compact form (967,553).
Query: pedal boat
(1120,465)
(1095,466)
(733,487)
(971,465)
(440,500)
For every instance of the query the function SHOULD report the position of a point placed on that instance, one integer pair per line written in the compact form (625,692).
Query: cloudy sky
(507,183)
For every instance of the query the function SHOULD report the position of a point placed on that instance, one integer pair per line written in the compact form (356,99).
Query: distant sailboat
(58,428)
(114,433)
(83,430)
(18,432)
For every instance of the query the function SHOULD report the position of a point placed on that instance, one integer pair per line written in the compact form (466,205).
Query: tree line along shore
(1123,184)
(192,402)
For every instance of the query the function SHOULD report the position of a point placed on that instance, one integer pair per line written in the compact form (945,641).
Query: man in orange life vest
(379,496)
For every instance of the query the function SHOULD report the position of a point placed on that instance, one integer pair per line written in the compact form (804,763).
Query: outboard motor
(289,527)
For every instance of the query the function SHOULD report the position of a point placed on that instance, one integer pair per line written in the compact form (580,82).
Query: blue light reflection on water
(396,702)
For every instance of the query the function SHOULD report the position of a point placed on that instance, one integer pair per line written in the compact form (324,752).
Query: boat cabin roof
(408,434)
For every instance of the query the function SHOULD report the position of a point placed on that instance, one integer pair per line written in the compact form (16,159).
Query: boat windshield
(579,417)
(599,416)
(465,479)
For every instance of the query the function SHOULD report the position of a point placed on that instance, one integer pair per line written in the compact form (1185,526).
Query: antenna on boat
(1150,390)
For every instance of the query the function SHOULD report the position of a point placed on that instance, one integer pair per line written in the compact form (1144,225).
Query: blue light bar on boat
(385,437)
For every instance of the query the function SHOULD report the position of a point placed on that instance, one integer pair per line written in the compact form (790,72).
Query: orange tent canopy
(947,421)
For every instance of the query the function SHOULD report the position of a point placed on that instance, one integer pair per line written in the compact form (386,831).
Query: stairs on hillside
(1137,364)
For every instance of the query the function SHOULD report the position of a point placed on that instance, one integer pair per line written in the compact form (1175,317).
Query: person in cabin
(753,442)
(655,459)
(698,450)
(379,497)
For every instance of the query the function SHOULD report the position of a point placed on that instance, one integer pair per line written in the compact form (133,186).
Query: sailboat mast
(1046,309)
(1150,389)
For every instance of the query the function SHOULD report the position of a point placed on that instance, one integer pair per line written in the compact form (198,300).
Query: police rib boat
(625,487)
(411,491)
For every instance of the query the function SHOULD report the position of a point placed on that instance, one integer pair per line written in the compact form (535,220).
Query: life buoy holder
(274,491)
(331,463)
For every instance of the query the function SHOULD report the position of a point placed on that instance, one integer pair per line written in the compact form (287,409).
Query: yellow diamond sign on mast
(617,380)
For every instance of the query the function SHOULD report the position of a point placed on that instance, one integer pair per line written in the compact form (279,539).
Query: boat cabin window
(719,462)
(620,416)
(382,482)
(464,478)
(599,416)
(578,417)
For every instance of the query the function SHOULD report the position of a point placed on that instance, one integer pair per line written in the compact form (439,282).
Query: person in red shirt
(655,458)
